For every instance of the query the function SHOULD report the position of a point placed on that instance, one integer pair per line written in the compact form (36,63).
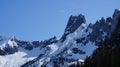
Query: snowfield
(19,58)
(14,60)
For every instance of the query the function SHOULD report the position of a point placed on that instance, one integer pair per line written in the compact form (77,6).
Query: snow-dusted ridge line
(78,43)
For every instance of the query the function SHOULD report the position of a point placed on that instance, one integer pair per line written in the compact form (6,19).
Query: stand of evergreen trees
(108,52)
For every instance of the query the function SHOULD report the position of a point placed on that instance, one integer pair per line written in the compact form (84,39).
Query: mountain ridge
(78,41)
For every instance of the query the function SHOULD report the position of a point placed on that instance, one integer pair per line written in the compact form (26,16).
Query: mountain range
(78,41)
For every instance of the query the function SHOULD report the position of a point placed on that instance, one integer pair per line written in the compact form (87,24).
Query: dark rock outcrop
(73,23)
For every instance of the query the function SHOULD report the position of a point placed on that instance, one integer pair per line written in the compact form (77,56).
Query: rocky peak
(73,23)
(116,12)
(13,38)
(115,19)
(8,45)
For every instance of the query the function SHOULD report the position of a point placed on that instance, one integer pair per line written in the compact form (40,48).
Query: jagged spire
(73,23)
(13,38)
(116,12)
(115,18)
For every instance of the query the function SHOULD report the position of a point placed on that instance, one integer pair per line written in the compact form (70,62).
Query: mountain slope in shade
(108,52)
(78,41)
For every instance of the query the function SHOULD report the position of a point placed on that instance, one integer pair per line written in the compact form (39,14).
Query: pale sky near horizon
(42,19)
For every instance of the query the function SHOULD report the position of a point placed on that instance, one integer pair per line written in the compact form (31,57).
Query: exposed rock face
(11,45)
(100,29)
(73,23)
(8,47)
(108,52)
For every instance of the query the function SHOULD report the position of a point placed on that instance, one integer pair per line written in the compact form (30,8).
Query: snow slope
(19,58)
(78,41)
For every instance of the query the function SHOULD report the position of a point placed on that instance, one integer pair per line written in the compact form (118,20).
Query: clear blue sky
(42,19)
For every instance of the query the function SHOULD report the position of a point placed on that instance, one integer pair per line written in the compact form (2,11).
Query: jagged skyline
(79,42)
(39,20)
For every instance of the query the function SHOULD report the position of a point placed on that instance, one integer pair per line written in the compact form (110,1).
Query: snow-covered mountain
(14,53)
(79,40)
